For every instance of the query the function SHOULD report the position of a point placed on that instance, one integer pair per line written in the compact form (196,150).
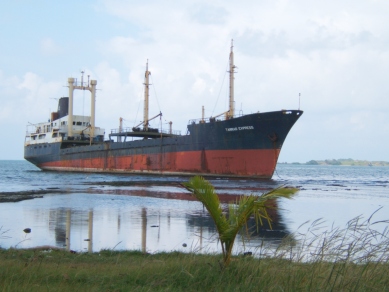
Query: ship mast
(231,111)
(72,84)
(146,104)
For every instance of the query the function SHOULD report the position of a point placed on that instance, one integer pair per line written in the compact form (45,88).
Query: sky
(334,53)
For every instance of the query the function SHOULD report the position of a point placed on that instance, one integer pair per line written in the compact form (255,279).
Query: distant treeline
(349,162)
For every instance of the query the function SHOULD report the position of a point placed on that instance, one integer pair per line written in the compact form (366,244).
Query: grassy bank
(37,270)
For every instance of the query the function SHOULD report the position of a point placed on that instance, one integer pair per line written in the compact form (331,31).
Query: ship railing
(79,83)
(212,119)
(128,130)
(38,129)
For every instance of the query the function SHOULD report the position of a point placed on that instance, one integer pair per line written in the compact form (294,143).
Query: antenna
(299,100)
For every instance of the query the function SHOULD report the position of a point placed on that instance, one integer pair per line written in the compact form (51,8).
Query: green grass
(29,270)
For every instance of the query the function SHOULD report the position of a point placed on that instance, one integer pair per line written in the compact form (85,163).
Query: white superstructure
(63,125)
(57,131)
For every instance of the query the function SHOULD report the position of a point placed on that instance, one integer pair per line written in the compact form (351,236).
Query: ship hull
(247,146)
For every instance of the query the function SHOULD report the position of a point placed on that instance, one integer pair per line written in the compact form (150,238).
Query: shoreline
(13,197)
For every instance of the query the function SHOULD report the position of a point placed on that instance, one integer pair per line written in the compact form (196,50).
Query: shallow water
(153,213)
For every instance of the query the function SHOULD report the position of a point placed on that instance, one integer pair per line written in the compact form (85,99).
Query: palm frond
(205,193)
(239,213)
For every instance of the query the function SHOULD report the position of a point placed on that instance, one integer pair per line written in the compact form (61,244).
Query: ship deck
(142,134)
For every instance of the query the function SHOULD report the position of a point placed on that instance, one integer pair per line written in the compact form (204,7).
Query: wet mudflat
(26,195)
(84,211)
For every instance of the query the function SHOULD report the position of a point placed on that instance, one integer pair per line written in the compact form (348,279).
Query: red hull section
(235,163)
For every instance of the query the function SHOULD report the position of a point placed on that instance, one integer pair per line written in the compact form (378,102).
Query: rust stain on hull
(249,163)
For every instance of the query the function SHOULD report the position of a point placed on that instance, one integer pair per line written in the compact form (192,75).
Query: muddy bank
(117,189)
(6,197)
(133,183)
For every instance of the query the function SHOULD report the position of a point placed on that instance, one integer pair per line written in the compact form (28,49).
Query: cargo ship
(225,145)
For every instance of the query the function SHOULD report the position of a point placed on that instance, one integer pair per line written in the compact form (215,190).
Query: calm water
(153,213)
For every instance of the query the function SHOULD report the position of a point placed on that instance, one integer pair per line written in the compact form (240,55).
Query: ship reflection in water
(147,219)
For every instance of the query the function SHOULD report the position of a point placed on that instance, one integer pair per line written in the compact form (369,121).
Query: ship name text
(240,128)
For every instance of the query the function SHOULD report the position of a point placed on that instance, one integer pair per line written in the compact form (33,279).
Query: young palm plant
(239,213)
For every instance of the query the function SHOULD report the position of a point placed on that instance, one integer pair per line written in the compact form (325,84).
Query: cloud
(208,14)
(9,95)
(335,54)
(263,45)
(36,97)
(335,58)
(49,47)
